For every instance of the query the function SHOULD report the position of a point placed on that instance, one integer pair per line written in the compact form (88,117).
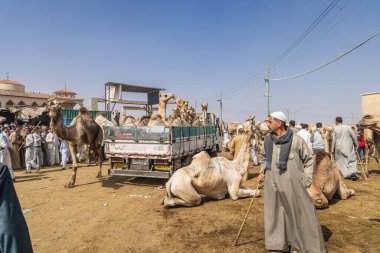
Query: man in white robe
(29,152)
(50,148)
(344,144)
(305,134)
(5,145)
(65,154)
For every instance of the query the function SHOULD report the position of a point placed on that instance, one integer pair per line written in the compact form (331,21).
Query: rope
(327,63)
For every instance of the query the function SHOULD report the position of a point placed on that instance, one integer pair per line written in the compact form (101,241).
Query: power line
(304,34)
(284,54)
(327,63)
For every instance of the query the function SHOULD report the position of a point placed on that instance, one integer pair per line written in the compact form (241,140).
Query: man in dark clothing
(14,234)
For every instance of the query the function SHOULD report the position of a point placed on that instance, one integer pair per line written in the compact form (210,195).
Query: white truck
(157,151)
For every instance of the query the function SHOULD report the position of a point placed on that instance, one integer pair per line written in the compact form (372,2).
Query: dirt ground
(121,214)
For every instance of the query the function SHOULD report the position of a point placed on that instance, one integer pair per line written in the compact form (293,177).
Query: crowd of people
(346,144)
(31,147)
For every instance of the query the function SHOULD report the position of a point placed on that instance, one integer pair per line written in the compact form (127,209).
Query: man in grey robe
(14,233)
(344,144)
(290,218)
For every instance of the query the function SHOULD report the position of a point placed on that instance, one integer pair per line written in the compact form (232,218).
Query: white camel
(211,177)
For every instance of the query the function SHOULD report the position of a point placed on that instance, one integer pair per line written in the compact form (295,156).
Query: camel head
(248,129)
(54,113)
(166,97)
(179,102)
(176,112)
(368,121)
(116,115)
(251,118)
(204,106)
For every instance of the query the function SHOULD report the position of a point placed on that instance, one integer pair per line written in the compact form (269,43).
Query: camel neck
(242,159)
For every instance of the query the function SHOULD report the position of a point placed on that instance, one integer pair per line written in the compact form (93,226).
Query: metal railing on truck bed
(155,151)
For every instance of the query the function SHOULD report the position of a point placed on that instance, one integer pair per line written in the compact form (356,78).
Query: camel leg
(342,190)
(172,202)
(185,194)
(237,193)
(89,157)
(75,167)
(100,160)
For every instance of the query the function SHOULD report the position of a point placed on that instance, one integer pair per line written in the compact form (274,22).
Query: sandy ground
(124,215)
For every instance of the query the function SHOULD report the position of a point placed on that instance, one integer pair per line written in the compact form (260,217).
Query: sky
(199,50)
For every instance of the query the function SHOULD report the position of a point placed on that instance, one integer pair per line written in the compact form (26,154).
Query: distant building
(66,98)
(371,103)
(13,94)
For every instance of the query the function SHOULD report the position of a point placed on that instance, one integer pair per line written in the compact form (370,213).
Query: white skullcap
(279,115)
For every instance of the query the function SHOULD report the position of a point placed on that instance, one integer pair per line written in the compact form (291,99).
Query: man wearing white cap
(5,156)
(290,219)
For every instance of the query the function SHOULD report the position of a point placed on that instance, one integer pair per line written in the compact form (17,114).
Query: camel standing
(83,130)
(369,140)
(204,113)
(211,177)
(370,122)
(162,103)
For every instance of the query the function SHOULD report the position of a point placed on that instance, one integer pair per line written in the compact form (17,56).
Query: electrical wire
(327,63)
(304,34)
(283,55)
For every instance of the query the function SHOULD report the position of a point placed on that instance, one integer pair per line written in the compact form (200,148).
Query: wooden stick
(361,165)
(246,215)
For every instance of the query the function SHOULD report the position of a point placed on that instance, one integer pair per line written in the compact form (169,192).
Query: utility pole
(221,106)
(287,112)
(267,94)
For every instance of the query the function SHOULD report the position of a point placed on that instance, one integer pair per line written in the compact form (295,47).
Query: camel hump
(83,111)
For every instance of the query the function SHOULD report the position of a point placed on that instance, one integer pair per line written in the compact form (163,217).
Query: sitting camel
(156,120)
(143,121)
(129,121)
(83,130)
(211,177)
(327,181)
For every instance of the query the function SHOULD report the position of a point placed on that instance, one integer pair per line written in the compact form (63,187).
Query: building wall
(371,103)
(16,100)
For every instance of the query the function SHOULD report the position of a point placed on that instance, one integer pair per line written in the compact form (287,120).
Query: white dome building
(13,94)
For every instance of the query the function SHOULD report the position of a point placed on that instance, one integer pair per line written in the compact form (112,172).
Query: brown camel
(156,120)
(212,177)
(129,121)
(327,181)
(204,114)
(162,103)
(83,130)
(369,140)
(175,118)
(143,121)
(372,123)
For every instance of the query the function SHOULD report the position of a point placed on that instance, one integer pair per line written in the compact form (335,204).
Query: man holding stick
(290,218)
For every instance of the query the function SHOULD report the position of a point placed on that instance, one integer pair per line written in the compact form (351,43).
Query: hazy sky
(197,49)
